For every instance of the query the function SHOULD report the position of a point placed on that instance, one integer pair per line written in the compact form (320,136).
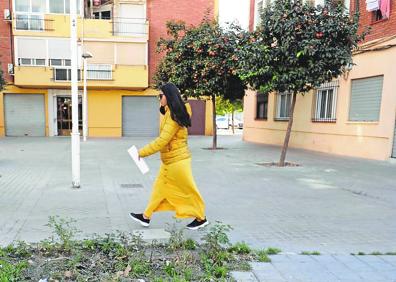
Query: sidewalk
(333,205)
(323,268)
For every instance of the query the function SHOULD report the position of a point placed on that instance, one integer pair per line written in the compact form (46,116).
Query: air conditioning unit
(7,15)
(10,69)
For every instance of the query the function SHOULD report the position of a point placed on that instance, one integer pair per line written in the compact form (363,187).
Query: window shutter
(365,101)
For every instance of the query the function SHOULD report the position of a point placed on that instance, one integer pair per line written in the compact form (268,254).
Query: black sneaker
(195,225)
(138,217)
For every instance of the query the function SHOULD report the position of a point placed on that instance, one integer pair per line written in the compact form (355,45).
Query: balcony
(33,23)
(120,77)
(53,25)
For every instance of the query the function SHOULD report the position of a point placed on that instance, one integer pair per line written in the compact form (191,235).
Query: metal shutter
(198,108)
(140,116)
(24,115)
(366,99)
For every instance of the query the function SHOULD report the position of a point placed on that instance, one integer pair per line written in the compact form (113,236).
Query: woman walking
(175,188)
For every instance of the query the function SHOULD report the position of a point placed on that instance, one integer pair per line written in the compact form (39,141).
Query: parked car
(222,122)
(237,123)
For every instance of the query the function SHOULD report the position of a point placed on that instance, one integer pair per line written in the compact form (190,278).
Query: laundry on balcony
(372,5)
(385,8)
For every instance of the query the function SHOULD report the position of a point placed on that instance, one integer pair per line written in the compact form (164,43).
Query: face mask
(162,110)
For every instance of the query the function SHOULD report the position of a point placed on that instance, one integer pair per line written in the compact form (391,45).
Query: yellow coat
(175,188)
(172,142)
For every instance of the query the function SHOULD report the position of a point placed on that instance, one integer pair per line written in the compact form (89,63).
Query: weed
(10,272)
(64,230)
(273,251)
(314,253)
(262,256)
(176,239)
(240,248)
(140,267)
(244,266)
(190,244)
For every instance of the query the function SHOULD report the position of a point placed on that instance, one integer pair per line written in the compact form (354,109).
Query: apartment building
(120,39)
(354,115)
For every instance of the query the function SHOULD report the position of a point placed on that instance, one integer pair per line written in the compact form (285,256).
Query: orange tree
(201,61)
(297,47)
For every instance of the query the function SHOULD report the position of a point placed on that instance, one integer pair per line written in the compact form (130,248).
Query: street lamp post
(75,135)
(85,56)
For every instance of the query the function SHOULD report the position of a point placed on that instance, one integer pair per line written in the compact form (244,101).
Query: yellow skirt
(175,190)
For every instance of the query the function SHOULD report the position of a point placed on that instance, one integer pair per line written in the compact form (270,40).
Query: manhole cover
(129,185)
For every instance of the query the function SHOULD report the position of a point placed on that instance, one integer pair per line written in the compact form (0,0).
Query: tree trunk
(288,132)
(232,122)
(214,145)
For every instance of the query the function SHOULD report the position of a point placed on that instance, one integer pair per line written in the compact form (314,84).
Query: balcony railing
(33,22)
(129,26)
(99,72)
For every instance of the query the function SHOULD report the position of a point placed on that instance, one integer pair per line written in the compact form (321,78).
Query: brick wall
(251,15)
(382,28)
(5,40)
(161,11)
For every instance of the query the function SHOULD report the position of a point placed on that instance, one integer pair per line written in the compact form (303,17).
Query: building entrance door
(64,115)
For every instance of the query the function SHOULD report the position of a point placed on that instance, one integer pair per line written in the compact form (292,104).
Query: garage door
(24,115)
(198,109)
(140,116)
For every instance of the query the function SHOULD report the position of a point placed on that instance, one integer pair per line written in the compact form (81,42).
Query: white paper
(141,164)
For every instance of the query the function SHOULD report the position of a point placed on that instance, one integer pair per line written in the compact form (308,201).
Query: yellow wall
(17,90)
(209,118)
(372,140)
(105,111)
(59,26)
(125,77)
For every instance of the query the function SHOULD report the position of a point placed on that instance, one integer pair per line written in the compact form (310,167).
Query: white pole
(75,135)
(85,108)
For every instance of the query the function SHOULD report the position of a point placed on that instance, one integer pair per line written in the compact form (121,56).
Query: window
(57,6)
(365,102)
(38,6)
(55,62)
(29,22)
(283,105)
(25,62)
(64,74)
(377,16)
(62,6)
(262,106)
(22,6)
(40,62)
(30,14)
(60,62)
(31,62)
(99,72)
(325,102)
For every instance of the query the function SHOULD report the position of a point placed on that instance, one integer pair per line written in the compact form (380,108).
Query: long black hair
(176,104)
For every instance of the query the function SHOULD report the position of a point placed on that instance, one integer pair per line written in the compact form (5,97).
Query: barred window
(326,102)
